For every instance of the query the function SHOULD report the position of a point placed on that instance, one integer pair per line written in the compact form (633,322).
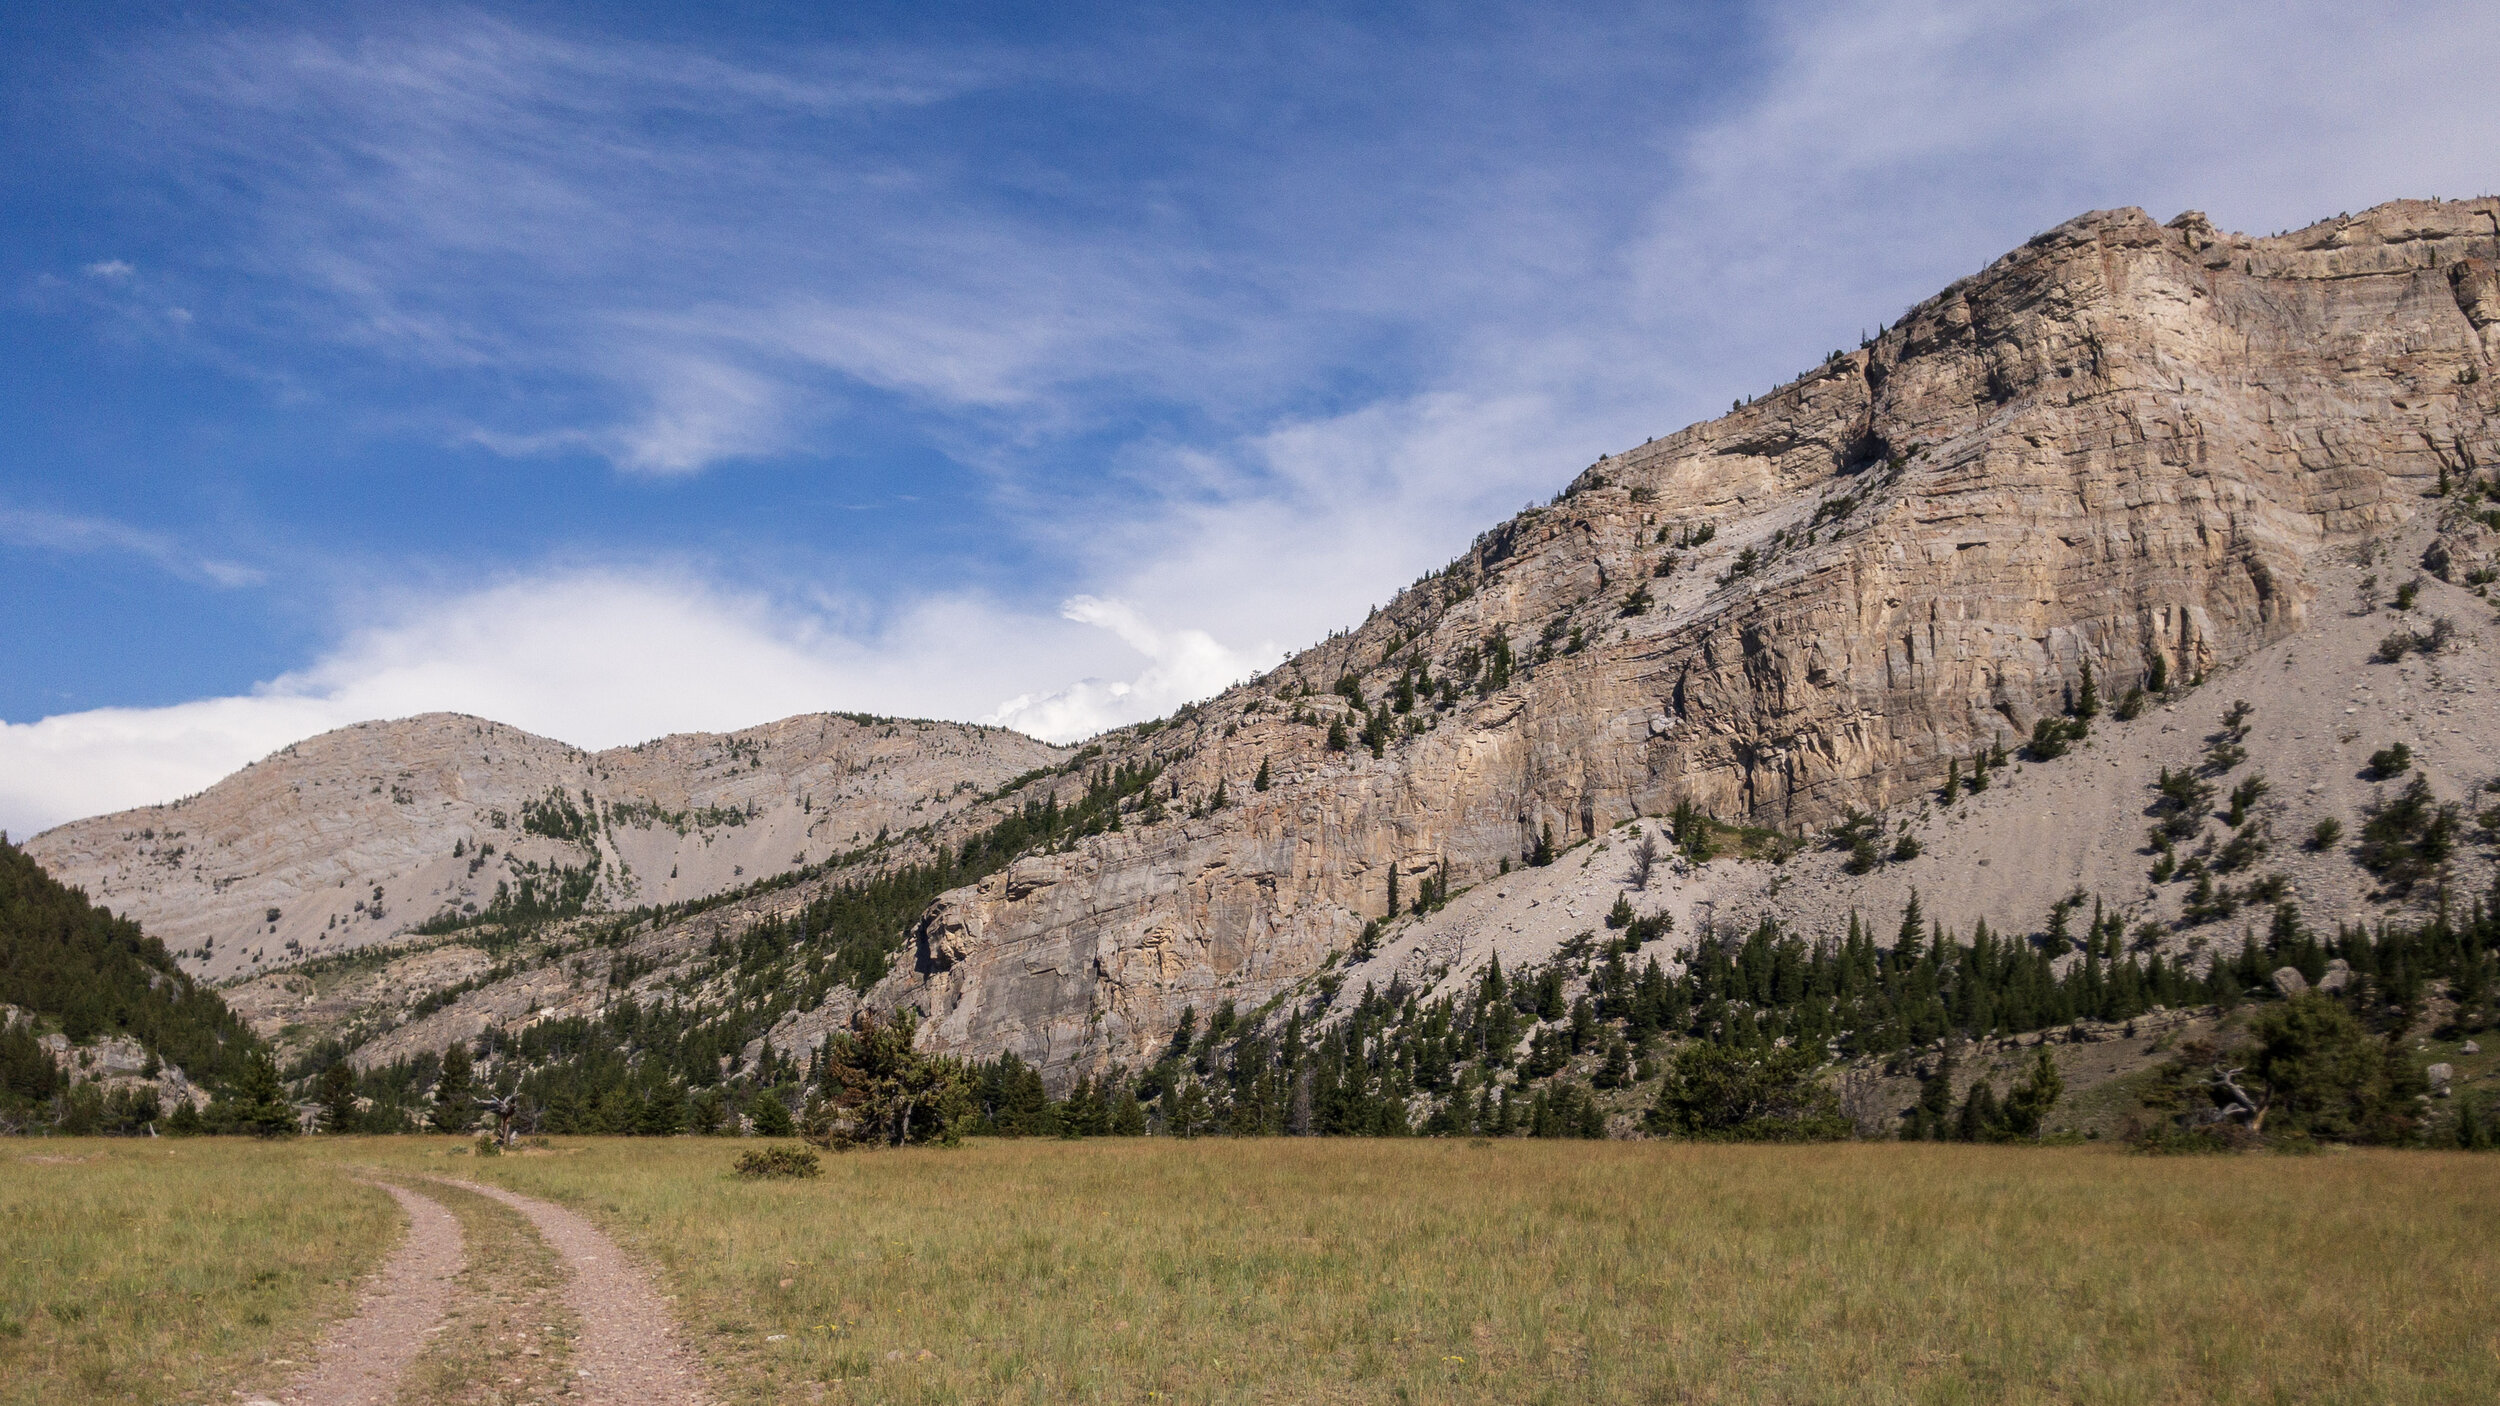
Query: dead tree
(507,1111)
(2237,1104)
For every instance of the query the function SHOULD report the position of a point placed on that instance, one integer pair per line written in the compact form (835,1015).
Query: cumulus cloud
(601,657)
(1182,665)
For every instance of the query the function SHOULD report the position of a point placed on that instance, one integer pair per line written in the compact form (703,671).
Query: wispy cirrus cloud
(32,530)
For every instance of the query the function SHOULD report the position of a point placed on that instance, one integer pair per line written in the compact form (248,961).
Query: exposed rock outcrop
(2123,446)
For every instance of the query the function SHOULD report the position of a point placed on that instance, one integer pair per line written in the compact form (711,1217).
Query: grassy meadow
(175,1269)
(1352,1270)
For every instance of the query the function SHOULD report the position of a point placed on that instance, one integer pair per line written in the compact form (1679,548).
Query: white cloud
(110,269)
(1182,665)
(63,532)
(594,657)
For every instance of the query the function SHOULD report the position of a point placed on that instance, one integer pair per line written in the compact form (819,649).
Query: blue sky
(611,371)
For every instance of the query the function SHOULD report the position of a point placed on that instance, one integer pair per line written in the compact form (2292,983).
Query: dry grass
(155,1271)
(1350,1271)
(1440,1271)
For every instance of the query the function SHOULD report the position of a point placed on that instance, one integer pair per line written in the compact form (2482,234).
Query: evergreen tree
(1905,941)
(663,1111)
(1128,1116)
(1927,1119)
(1981,1120)
(1260,781)
(2027,1106)
(338,1099)
(454,1090)
(771,1115)
(882,1091)
(256,1102)
(2472,1134)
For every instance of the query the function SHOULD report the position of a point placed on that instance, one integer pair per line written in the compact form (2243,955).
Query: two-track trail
(629,1352)
(625,1350)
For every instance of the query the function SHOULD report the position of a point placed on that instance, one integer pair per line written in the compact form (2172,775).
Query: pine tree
(1952,780)
(1905,942)
(1128,1116)
(454,1087)
(2472,1135)
(771,1115)
(256,1103)
(664,1111)
(1260,781)
(1336,735)
(1981,1120)
(2027,1106)
(1926,1120)
(338,1099)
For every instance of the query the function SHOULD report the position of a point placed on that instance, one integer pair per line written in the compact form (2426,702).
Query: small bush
(2395,647)
(2325,834)
(2390,762)
(758,1163)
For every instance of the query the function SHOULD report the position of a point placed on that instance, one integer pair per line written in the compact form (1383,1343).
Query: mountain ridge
(349,836)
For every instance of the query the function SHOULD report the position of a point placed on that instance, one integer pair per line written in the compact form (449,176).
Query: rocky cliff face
(2123,446)
(358,835)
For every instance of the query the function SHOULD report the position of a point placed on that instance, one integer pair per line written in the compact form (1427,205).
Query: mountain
(371,832)
(2053,525)
(2122,450)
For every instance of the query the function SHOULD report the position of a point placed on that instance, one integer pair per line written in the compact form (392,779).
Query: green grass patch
(152,1271)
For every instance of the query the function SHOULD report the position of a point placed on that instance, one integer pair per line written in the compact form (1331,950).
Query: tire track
(363,1357)
(629,1352)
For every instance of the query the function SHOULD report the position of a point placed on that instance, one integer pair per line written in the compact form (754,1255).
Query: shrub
(759,1163)
(2324,834)
(2396,646)
(2050,737)
(2392,761)
(2405,840)
(1723,1094)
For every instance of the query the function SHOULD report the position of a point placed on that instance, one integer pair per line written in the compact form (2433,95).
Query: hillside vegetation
(71,968)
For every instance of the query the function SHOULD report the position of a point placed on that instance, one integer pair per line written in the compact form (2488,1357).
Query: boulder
(2473,1048)
(2338,976)
(2441,1076)
(2289,981)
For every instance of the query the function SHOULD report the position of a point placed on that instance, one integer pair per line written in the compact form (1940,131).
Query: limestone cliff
(2122,443)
